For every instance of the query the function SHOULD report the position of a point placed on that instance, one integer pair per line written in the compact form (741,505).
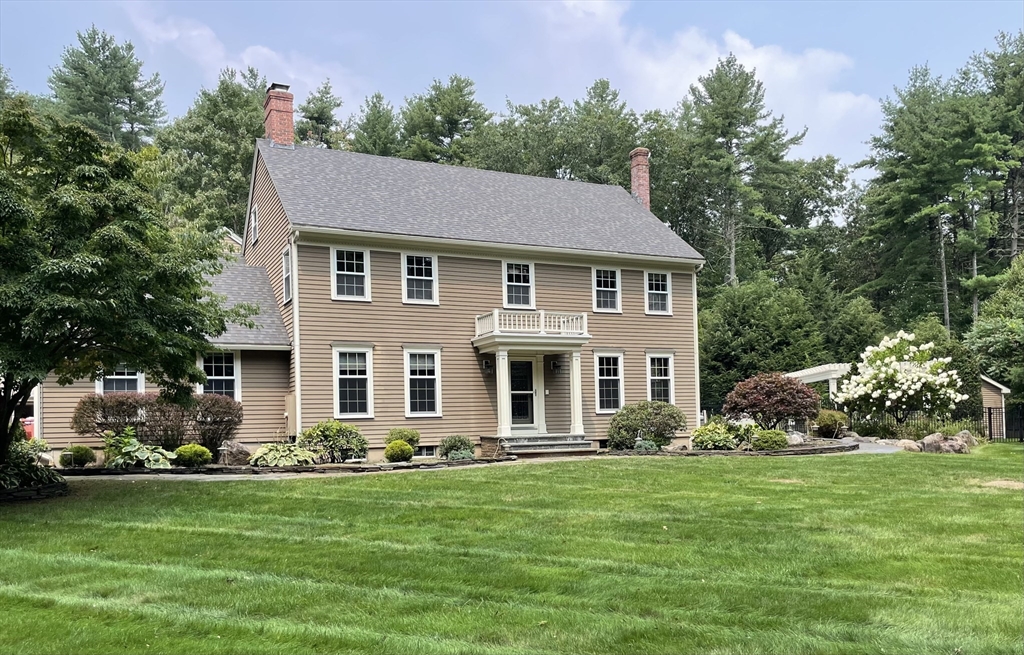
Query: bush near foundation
(398,451)
(192,456)
(333,442)
(77,457)
(647,420)
(454,444)
(408,435)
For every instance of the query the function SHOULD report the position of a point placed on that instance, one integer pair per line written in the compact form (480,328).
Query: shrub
(398,451)
(334,441)
(77,457)
(281,454)
(770,398)
(98,413)
(648,420)
(454,444)
(770,440)
(114,444)
(460,455)
(408,435)
(877,429)
(215,420)
(29,448)
(193,455)
(136,454)
(830,423)
(644,446)
(167,424)
(742,433)
(19,432)
(21,470)
(713,436)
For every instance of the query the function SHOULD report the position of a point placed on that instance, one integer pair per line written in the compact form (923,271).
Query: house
(451,300)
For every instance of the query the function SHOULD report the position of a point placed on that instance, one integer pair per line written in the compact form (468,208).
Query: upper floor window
(607,297)
(351,274)
(122,378)
(221,371)
(353,388)
(419,276)
(659,293)
(423,382)
(609,383)
(254,224)
(660,377)
(518,285)
(286,274)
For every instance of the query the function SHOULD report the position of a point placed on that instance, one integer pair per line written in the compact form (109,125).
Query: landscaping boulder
(909,445)
(940,443)
(235,455)
(860,439)
(795,438)
(966,437)
(850,434)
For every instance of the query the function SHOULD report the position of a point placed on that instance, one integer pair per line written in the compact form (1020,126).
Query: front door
(521,374)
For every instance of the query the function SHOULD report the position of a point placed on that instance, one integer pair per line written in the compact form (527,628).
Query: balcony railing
(504,321)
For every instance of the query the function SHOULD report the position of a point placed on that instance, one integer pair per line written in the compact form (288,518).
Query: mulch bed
(216,469)
(812,449)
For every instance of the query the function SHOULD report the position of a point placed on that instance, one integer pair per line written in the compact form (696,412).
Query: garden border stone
(218,469)
(812,450)
(52,490)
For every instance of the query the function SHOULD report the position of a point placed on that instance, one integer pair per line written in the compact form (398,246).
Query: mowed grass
(842,554)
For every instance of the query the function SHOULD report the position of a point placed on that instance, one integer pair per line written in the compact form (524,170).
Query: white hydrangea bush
(898,377)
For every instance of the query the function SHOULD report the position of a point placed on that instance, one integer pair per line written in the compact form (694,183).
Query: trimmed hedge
(398,451)
(408,435)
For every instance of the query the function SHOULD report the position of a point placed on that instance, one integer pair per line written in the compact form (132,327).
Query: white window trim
(254,224)
(598,354)
(505,283)
(618,295)
(647,293)
(366,297)
(368,351)
(286,275)
(142,384)
(405,276)
(436,352)
(670,354)
(238,372)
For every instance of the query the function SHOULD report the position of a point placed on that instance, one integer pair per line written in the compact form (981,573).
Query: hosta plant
(136,454)
(899,377)
(281,454)
(713,436)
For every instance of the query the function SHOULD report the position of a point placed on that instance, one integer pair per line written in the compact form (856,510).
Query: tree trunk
(12,406)
(945,281)
(1016,191)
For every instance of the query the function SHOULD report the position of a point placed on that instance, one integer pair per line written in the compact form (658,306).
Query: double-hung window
(607,294)
(221,369)
(422,382)
(286,274)
(353,381)
(518,285)
(419,279)
(351,274)
(609,381)
(123,378)
(659,293)
(660,377)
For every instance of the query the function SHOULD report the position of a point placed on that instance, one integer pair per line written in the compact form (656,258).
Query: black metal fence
(1005,424)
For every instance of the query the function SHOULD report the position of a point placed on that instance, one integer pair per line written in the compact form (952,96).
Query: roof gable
(249,284)
(331,189)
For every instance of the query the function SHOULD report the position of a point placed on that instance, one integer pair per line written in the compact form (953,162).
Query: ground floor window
(660,377)
(423,382)
(221,371)
(425,451)
(609,382)
(353,375)
(122,379)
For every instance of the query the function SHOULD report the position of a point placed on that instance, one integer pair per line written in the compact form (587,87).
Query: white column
(504,394)
(538,396)
(833,388)
(576,393)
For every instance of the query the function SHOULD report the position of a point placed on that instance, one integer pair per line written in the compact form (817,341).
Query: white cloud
(199,43)
(593,39)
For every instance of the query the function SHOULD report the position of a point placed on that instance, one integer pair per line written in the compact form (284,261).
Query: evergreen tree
(100,84)
(208,152)
(997,337)
(599,134)
(376,130)
(435,125)
(6,86)
(317,125)
(528,139)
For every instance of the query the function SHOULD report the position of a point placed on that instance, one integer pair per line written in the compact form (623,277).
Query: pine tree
(318,125)
(100,84)
(599,134)
(435,125)
(376,130)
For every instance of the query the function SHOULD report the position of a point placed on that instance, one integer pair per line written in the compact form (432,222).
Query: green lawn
(843,554)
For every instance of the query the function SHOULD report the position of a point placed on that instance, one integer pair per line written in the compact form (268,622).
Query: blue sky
(825,65)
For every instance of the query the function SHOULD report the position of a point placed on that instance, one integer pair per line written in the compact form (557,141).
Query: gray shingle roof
(250,284)
(350,191)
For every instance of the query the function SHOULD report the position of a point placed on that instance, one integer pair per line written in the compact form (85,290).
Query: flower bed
(216,469)
(812,449)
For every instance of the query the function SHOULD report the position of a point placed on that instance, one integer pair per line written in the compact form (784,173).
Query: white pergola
(830,373)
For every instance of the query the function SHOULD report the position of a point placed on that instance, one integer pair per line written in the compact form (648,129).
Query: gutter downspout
(294,254)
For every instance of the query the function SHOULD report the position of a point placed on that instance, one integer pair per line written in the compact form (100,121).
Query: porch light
(556,366)
(487,366)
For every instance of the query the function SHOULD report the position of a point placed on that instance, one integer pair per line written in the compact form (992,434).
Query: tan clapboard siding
(274,228)
(470,286)
(557,411)
(264,385)
(990,395)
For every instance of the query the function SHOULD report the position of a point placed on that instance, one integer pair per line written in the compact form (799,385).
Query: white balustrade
(500,321)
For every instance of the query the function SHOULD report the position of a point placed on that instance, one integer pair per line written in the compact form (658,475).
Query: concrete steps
(544,445)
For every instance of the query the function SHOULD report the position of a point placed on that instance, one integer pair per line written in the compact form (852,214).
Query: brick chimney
(640,175)
(278,122)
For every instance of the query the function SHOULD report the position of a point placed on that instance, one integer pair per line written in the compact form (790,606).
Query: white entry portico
(527,336)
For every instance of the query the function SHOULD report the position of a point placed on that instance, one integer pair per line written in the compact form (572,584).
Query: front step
(542,445)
